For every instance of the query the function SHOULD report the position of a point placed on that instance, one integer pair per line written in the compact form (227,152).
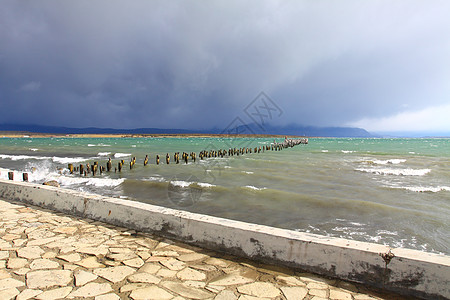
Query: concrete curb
(409,272)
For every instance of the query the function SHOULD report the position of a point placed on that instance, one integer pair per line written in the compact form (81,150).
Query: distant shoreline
(21,134)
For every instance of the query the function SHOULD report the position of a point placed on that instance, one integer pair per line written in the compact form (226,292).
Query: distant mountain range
(244,129)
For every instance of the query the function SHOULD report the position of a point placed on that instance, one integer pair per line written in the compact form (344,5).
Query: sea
(387,191)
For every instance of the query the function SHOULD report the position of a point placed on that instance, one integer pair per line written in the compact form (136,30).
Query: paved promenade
(48,255)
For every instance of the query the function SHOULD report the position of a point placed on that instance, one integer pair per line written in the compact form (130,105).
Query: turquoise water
(388,191)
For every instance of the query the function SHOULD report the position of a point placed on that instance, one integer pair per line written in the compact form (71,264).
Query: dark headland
(18,130)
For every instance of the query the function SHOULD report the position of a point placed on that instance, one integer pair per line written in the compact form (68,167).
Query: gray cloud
(198,64)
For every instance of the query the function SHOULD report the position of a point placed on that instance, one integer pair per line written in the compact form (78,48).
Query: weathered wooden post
(108,165)
(157,159)
(81,169)
(119,166)
(131,165)
(11,175)
(70,167)
(25,176)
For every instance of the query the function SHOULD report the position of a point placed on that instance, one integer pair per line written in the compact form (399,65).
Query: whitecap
(386,232)
(68,160)
(98,182)
(103,153)
(117,155)
(423,189)
(98,145)
(324,151)
(254,188)
(398,172)
(21,157)
(154,178)
(247,172)
(347,151)
(180,183)
(395,161)
(34,149)
(205,185)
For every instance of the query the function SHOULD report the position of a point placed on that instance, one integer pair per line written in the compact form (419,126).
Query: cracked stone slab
(191,274)
(66,230)
(9,293)
(173,264)
(121,256)
(16,263)
(91,290)
(10,283)
(110,296)
(144,277)
(44,241)
(42,264)
(133,286)
(46,279)
(227,295)
(294,292)
(115,274)
(231,279)
(259,289)
(186,291)
(83,277)
(135,262)
(165,253)
(90,263)
(4,274)
(154,291)
(150,268)
(4,254)
(166,273)
(340,295)
(31,252)
(191,257)
(290,280)
(97,251)
(58,293)
(72,257)
(28,294)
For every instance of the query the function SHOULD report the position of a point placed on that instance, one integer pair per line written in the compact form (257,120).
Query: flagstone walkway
(48,255)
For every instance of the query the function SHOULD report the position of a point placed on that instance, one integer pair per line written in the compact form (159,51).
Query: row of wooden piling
(96,168)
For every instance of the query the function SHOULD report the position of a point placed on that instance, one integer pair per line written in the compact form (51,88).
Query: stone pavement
(48,255)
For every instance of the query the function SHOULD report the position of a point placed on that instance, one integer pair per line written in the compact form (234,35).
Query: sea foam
(255,188)
(424,189)
(56,159)
(117,155)
(389,161)
(397,172)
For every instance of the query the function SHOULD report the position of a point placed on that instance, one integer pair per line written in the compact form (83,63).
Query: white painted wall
(410,272)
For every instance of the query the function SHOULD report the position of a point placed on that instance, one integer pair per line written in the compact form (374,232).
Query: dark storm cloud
(198,64)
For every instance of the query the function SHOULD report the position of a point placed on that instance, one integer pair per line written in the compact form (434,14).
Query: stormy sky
(380,65)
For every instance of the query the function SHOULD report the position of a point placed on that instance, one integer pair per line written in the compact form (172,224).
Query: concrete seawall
(406,271)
